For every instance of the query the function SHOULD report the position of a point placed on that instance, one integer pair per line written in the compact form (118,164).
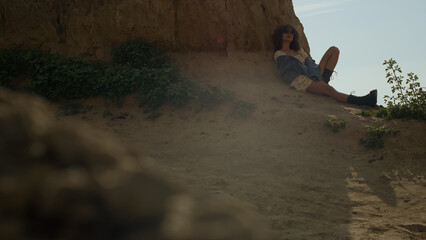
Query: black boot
(326,75)
(367,100)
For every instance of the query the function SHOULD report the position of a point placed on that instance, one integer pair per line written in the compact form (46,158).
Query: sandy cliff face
(90,28)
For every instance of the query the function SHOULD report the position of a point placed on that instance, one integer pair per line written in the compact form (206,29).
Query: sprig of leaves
(335,125)
(374,139)
(408,99)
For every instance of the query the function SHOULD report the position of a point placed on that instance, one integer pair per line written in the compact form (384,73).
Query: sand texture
(281,162)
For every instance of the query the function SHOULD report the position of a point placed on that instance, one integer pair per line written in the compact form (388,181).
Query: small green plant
(381,113)
(243,108)
(365,113)
(408,99)
(335,125)
(374,139)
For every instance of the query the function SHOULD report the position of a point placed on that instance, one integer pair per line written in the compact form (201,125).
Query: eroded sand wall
(90,28)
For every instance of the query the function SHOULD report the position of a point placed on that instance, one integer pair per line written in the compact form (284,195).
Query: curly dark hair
(278,37)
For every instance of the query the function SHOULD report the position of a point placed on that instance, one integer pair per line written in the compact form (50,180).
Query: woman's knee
(334,50)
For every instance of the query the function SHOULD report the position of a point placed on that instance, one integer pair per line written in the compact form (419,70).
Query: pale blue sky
(367,32)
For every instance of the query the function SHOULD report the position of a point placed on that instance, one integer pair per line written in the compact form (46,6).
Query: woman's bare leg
(329,60)
(322,88)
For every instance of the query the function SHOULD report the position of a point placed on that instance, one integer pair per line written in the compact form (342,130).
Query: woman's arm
(290,68)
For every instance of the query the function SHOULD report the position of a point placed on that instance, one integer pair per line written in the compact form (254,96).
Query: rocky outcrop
(60,182)
(90,28)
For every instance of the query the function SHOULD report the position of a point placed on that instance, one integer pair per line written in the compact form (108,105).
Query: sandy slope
(308,182)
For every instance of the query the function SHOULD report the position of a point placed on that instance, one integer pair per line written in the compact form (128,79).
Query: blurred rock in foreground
(71,182)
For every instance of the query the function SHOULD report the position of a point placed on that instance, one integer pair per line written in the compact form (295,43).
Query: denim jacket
(290,68)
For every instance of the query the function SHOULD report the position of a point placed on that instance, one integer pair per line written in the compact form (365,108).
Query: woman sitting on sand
(302,73)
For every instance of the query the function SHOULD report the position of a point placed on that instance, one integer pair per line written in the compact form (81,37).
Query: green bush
(137,67)
(139,53)
(13,63)
(157,87)
(57,78)
(180,93)
(408,99)
(119,81)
